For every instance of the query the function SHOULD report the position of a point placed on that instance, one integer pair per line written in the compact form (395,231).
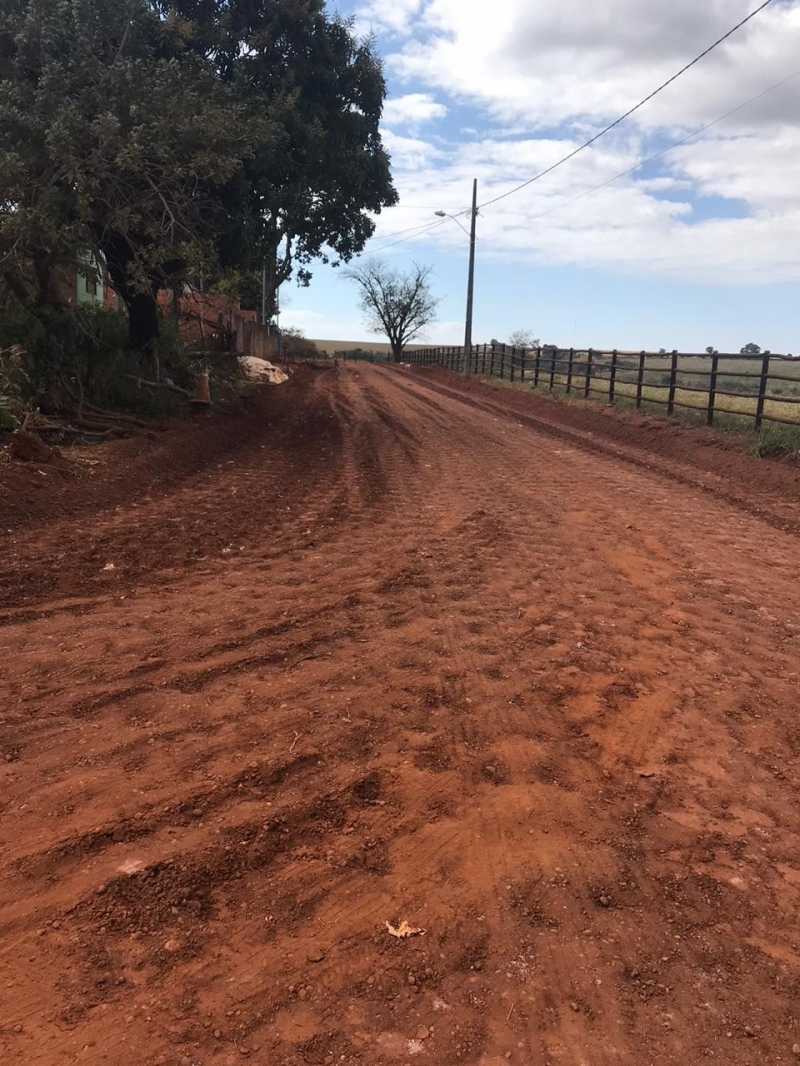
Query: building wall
(89,290)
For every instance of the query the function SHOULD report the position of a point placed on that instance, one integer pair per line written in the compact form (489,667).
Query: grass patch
(775,441)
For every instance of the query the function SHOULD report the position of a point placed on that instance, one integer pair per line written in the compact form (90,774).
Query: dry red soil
(387,649)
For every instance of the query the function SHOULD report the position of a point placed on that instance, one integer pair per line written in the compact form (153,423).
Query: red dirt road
(399,654)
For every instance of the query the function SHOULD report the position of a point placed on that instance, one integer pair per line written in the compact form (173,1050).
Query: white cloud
(529,69)
(395,17)
(409,152)
(413,109)
(550,63)
(630,226)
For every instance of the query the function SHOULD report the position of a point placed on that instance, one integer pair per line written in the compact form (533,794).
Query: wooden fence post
(522,364)
(762,389)
(570,361)
(536,367)
(712,389)
(491,363)
(612,384)
(502,361)
(673,377)
(640,379)
(588,382)
(552,367)
(511,367)
(483,362)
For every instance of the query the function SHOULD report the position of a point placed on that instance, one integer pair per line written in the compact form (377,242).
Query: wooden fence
(758,388)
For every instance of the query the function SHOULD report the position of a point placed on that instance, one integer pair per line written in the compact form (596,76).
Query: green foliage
(294,343)
(181,140)
(308,192)
(241,285)
(751,349)
(112,137)
(12,381)
(775,441)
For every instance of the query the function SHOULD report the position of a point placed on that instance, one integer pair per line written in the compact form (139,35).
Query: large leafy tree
(182,139)
(112,139)
(309,191)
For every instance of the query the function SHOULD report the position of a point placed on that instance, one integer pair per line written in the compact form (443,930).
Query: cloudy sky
(699,246)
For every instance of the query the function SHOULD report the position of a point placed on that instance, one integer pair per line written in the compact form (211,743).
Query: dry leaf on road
(403,931)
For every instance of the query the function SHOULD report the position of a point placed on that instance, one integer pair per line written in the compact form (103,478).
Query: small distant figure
(337,370)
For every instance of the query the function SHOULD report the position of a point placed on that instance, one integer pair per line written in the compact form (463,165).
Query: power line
(410,229)
(633,109)
(668,148)
(399,232)
(427,229)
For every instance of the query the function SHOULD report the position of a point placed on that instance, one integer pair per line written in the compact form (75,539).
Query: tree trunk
(143,327)
(142,306)
(397,352)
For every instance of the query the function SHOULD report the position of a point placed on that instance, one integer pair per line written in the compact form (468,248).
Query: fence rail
(761,388)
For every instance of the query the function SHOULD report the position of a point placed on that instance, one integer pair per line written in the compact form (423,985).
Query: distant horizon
(384,346)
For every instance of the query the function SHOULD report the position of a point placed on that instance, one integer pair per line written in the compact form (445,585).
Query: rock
(604,901)
(576,1007)
(796,1050)
(412,979)
(217,1034)
(17,1028)
(423,1032)
(171,945)
(749,1031)
(316,955)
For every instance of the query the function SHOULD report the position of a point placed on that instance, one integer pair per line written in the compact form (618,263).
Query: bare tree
(399,305)
(524,338)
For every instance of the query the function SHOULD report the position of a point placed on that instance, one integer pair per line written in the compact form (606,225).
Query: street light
(471,276)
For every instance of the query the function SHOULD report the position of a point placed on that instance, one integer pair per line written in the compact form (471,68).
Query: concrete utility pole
(470,282)
(470,277)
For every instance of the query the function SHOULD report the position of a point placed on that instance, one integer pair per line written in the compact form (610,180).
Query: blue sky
(700,247)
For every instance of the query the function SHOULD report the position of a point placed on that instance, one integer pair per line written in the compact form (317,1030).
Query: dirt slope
(398,656)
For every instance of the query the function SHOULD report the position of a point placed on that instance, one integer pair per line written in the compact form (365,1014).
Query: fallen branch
(157,384)
(103,428)
(102,412)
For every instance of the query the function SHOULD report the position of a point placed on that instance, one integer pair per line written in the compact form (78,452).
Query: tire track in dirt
(538,715)
(707,482)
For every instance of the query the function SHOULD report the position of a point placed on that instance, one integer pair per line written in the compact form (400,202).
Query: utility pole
(471,277)
(470,282)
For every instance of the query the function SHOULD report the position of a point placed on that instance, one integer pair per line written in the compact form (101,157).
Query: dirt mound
(96,478)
